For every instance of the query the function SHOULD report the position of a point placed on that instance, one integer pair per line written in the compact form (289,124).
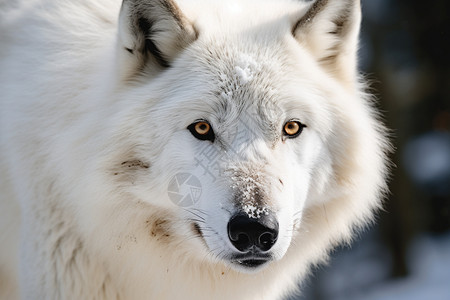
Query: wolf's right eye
(292,129)
(202,130)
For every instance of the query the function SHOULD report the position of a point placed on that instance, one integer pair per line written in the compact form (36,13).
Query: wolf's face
(241,152)
(242,129)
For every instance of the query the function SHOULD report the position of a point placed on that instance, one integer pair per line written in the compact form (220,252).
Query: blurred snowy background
(405,52)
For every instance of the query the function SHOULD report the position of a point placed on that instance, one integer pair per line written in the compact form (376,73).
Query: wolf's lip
(252,260)
(251,263)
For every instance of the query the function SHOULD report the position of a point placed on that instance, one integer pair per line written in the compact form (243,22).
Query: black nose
(245,232)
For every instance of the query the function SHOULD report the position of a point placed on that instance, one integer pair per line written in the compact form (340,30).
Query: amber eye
(202,131)
(293,129)
(202,128)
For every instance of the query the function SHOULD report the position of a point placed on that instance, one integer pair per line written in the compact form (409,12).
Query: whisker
(195,214)
(197,220)
(199,211)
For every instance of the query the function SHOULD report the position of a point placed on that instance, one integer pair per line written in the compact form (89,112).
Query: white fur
(74,116)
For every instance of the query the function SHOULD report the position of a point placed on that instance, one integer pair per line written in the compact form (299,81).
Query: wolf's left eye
(202,130)
(293,129)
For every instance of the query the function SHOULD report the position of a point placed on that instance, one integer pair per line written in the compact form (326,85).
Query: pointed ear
(153,31)
(329,30)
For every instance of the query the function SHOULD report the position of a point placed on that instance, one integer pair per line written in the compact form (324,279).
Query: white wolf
(189,150)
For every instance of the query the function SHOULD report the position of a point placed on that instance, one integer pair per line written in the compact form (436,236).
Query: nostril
(245,232)
(266,240)
(242,242)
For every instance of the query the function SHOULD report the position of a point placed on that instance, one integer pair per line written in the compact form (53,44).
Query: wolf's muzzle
(253,234)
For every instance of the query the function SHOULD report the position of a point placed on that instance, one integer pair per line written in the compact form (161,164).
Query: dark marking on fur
(129,50)
(197,230)
(128,171)
(159,228)
(149,46)
(341,19)
(145,18)
(135,164)
(173,9)
(315,9)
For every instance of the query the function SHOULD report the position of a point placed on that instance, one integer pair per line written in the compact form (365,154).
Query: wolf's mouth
(250,260)
(251,263)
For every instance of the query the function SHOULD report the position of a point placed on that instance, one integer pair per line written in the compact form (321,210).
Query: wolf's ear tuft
(329,29)
(154,30)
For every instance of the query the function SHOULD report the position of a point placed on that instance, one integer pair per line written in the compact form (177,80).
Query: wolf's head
(245,133)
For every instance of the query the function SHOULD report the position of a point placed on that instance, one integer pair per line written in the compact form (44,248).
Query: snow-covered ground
(362,273)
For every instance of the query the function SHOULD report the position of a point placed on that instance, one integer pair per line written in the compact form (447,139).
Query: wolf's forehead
(238,76)
(243,77)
